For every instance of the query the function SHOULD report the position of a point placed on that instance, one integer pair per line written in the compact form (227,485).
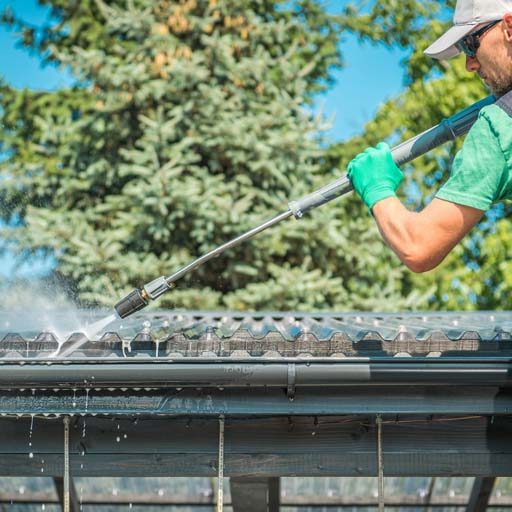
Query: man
(482,170)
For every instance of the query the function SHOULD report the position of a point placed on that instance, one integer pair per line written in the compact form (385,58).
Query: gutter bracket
(290,388)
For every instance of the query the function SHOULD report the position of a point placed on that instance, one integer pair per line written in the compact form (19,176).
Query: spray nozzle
(139,299)
(133,302)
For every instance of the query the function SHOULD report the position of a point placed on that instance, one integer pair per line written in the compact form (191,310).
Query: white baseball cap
(469,14)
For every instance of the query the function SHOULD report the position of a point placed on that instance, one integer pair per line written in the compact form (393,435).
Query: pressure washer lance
(448,129)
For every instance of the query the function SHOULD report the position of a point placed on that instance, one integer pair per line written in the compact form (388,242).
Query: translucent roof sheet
(190,333)
(447,493)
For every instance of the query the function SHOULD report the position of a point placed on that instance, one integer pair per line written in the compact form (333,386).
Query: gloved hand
(374,174)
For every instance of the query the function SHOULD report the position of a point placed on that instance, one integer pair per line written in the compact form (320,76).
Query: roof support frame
(430,492)
(255,494)
(480,494)
(123,499)
(263,447)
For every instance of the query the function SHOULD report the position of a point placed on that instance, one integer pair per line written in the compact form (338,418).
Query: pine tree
(188,125)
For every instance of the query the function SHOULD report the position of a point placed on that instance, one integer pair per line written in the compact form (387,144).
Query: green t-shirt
(482,170)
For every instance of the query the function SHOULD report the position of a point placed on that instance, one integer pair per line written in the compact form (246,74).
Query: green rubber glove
(374,174)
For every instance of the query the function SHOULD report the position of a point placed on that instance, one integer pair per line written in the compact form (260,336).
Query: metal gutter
(213,402)
(164,374)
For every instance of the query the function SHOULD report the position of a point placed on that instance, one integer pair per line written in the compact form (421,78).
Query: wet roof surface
(194,333)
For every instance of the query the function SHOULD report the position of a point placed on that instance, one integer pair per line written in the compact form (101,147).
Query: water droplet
(31,426)
(42,470)
(21,490)
(125,436)
(118,439)
(30,455)
(43,507)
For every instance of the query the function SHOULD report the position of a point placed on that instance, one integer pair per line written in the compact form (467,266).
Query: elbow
(419,261)
(419,267)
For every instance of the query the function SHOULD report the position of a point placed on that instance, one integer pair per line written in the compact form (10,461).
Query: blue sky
(371,75)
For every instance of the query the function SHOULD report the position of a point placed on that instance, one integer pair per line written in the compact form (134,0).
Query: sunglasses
(470,44)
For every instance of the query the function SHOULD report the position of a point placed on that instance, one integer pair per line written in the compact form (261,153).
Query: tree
(187,125)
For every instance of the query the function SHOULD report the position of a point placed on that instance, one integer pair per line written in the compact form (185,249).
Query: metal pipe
(256,375)
(228,245)
(448,129)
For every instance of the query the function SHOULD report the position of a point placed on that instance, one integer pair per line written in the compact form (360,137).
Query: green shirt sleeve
(480,172)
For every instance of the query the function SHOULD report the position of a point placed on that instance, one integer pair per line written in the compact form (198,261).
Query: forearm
(420,239)
(411,235)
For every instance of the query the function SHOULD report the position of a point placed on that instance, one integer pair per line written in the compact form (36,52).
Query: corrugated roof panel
(195,334)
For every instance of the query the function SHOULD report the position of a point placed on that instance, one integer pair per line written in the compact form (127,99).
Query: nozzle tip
(134,301)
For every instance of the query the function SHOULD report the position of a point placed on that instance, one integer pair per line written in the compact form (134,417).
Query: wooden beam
(274,494)
(261,447)
(430,492)
(252,494)
(480,494)
(123,499)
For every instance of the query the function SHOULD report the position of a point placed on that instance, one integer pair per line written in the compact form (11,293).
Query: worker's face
(493,60)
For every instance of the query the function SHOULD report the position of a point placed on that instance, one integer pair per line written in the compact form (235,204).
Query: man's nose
(472,64)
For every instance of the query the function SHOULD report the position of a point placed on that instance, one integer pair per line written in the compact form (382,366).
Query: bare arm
(423,239)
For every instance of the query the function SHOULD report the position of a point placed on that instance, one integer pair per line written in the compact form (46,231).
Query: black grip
(133,302)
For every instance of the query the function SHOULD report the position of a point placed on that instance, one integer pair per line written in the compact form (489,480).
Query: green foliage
(475,275)
(186,127)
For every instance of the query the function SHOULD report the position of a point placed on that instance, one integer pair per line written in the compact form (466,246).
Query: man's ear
(507,26)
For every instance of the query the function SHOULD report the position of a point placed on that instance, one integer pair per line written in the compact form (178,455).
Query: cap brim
(444,47)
